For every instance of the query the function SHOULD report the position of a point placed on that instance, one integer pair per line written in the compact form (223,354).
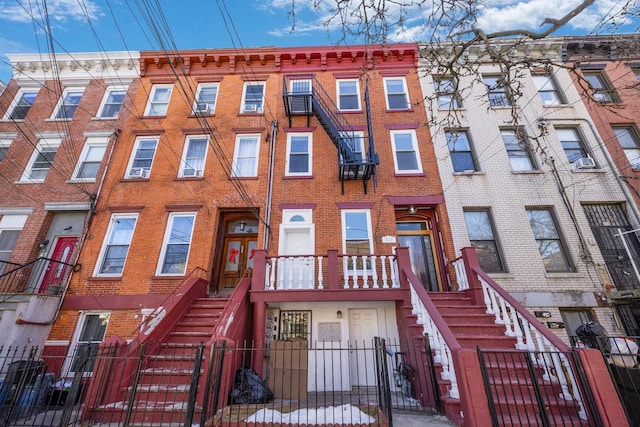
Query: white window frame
(405,93)
(92,143)
(141,171)
(75,340)
(44,144)
(344,213)
(204,107)
(514,141)
(106,244)
(4,147)
(245,106)
(629,142)
(415,149)
(339,94)
(105,101)
(62,104)
(546,84)
(188,166)
(447,96)
(357,139)
(309,153)
(235,172)
(19,96)
(166,241)
(12,223)
(153,103)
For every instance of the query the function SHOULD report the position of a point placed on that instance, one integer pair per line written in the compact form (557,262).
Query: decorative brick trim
(355,205)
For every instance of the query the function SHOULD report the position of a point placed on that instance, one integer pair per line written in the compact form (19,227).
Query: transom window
(348,95)
(21,104)
(460,151)
(497,91)
(116,245)
(550,245)
(482,237)
(548,90)
(245,156)
(206,96)
(447,94)
(41,160)
(68,103)
(90,159)
(193,158)
(572,144)
(112,102)
(252,97)
(406,154)
(628,138)
(599,85)
(396,91)
(159,100)
(144,151)
(518,150)
(299,153)
(177,241)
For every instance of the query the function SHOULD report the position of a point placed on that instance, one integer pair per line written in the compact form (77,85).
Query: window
(497,91)
(355,140)
(573,319)
(600,87)
(68,103)
(460,151)
(206,96)
(4,147)
(41,160)
(518,149)
(406,157)
(547,90)
(571,144)
(91,333)
(177,241)
(159,100)
(356,232)
(116,245)
(252,97)
(90,159)
(548,239)
(628,139)
(396,91)
(446,91)
(482,237)
(295,324)
(245,156)
(348,95)
(298,154)
(21,104)
(195,151)
(299,99)
(143,153)
(10,227)
(112,102)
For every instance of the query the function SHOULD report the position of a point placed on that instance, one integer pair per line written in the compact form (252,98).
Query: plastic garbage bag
(248,387)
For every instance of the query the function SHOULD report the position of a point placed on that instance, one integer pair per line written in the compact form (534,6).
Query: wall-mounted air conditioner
(138,173)
(192,172)
(251,107)
(584,163)
(204,108)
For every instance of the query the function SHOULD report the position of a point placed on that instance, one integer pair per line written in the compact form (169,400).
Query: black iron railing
(39,276)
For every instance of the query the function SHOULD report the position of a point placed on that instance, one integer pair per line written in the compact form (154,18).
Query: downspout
(92,210)
(272,156)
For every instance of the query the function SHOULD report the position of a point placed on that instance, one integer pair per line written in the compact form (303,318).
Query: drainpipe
(272,156)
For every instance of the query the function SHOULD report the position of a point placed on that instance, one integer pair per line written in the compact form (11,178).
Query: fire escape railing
(27,278)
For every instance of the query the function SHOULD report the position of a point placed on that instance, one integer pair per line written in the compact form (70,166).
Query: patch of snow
(343,414)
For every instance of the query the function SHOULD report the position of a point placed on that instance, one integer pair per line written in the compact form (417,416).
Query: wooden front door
(240,242)
(56,271)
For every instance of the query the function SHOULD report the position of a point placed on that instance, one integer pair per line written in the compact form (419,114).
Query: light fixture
(412,209)
(243,224)
(43,244)
(339,314)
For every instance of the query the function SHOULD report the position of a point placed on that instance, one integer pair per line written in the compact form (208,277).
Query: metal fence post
(193,389)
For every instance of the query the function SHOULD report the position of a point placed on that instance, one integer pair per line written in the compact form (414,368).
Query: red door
(55,272)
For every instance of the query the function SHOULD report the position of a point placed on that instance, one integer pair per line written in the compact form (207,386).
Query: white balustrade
(461,274)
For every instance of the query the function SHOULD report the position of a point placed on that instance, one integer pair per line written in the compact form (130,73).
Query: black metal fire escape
(357,159)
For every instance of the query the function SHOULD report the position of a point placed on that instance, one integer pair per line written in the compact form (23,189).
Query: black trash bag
(248,387)
(593,335)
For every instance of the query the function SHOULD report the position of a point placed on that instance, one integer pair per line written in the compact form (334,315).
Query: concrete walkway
(417,419)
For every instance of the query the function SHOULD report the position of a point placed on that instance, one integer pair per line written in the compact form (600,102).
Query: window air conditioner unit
(204,108)
(138,173)
(192,172)
(250,107)
(584,163)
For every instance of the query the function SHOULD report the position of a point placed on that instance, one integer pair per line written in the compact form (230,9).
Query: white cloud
(58,11)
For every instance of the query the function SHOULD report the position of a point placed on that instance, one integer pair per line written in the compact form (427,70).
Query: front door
(419,240)
(363,327)
(240,242)
(56,271)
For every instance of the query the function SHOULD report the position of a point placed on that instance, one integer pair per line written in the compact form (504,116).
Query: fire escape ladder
(303,95)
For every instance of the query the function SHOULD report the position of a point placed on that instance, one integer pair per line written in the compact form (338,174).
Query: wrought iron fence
(294,383)
(30,277)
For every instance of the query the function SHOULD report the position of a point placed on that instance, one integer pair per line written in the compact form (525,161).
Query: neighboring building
(523,191)
(59,119)
(608,81)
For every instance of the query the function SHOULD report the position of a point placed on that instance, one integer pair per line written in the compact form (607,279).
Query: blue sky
(96,25)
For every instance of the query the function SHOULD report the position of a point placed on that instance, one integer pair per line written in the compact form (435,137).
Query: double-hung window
(600,87)
(497,91)
(10,228)
(355,141)
(177,241)
(395,89)
(245,156)
(299,154)
(4,147)
(447,94)
(159,98)
(144,151)
(356,234)
(252,97)
(460,151)
(482,237)
(547,90)
(68,103)
(112,102)
(628,138)
(91,332)
(406,158)
(206,96)
(116,245)
(572,144)
(299,99)
(90,159)
(348,95)
(550,244)
(21,104)
(517,146)
(195,152)
(41,160)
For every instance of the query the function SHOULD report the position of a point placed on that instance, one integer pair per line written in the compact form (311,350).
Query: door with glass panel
(238,248)
(420,240)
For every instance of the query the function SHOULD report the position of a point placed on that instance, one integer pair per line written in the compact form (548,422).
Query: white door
(363,327)
(296,272)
